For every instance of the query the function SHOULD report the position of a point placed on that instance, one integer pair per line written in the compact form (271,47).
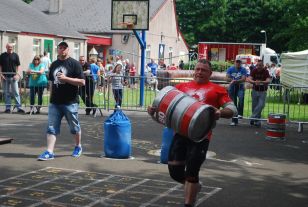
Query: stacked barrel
(276,127)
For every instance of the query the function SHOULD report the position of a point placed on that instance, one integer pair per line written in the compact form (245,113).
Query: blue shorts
(55,115)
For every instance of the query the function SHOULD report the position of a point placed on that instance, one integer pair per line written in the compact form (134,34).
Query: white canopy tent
(294,72)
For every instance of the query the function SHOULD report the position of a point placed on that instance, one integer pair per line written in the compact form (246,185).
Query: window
(170,55)
(55,54)
(76,51)
(274,59)
(182,55)
(148,54)
(36,47)
(13,41)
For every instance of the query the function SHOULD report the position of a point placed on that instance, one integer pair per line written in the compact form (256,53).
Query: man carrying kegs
(186,155)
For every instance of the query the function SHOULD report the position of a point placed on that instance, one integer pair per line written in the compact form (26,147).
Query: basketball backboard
(129,14)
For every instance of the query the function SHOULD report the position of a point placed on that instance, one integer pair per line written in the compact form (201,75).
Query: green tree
(198,17)
(243,18)
(212,20)
(294,32)
(271,21)
(285,22)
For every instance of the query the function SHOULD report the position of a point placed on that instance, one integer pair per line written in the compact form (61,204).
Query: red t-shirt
(132,71)
(172,68)
(209,93)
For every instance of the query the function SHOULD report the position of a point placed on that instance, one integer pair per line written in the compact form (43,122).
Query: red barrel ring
(277,134)
(187,118)
(163,105)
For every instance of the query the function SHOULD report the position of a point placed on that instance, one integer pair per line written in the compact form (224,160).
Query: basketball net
(128,25)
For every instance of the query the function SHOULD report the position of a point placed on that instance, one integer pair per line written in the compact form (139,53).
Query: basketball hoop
(128,25)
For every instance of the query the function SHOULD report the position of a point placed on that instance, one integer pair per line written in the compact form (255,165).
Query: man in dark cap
(237,76)
(66,76)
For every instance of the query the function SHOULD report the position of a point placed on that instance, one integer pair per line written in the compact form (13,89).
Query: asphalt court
(58,187)
(242,169)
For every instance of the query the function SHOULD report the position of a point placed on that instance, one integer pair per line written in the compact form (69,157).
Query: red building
(101,45)
(226,51)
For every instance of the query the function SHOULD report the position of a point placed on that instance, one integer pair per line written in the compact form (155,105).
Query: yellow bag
(34,76)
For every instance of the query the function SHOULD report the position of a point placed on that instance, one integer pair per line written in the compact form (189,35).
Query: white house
(33,32)
(93,19)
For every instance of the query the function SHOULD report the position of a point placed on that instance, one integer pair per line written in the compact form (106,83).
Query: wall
(25,49)
(25,46)
(165,23)
(130,50)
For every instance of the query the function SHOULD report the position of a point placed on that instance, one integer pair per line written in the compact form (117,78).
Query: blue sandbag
(165,146)
(117,130)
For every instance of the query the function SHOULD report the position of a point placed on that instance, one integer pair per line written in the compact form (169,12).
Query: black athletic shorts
(193,153)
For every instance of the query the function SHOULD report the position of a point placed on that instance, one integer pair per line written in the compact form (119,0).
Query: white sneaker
(233,124)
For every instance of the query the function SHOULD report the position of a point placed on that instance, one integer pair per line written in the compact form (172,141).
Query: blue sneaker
(46,156)
(77,151)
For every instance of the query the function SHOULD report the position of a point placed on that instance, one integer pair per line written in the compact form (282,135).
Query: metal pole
(143,47)
(265,38)
(1,41)
(142,69)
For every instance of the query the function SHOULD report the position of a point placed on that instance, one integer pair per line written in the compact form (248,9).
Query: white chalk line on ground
(73,172)
(200,200)
(72,191)
(32,186)
(161,195)
(120,191)
(211,156)
(247,163)
(21,125)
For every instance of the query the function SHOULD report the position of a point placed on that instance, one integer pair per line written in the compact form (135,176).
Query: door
(222,54)
(48,47)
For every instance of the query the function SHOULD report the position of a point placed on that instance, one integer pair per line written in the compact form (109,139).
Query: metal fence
(281,100)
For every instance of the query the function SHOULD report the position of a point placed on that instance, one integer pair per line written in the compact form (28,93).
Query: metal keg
(184,114)
(200,121)
(162,102)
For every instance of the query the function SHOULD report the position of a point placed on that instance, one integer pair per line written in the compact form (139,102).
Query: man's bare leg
(51,141)
(191,190)
(78,138)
